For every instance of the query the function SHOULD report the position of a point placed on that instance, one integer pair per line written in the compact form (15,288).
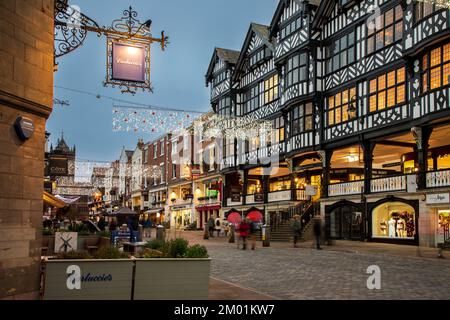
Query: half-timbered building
(358,93)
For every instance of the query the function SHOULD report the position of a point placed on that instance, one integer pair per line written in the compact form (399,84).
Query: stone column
(422,137)
(368,147)
(26,90)
(325,157)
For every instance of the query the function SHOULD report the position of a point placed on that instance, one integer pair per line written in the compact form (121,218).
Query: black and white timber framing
(312,29)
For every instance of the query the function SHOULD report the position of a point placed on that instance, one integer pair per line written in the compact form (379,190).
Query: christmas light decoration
(128,118)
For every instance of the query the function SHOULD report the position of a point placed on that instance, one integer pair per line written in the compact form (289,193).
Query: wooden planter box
(154,279)
(172,279)
(118,288)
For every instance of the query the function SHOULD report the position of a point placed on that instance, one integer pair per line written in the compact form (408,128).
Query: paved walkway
(337,272)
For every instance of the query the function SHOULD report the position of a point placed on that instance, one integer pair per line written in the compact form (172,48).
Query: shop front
(439,208)
(394,220)
(181,217)
(344,220)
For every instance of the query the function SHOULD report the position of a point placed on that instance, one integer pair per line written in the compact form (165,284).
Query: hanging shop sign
(411,183)
(235,197)
(311,191)
(439,198)
(58,167)
(259,197)
(24,128)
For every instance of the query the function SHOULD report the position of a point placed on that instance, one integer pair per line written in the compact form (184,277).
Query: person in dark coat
(113,225)
(318,232)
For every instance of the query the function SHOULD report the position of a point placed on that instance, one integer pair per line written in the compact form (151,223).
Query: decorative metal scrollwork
(70,31)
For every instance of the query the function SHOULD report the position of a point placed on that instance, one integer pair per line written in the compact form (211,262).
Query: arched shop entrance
(394,220)
(345,220)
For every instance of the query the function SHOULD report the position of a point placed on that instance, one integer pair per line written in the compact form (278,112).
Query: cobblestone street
(333,273)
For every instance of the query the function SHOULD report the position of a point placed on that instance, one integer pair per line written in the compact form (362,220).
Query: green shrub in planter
(47,232)
(151,253)
(196,251)
(110,253)
(155,244)
(74,255)
(175,248)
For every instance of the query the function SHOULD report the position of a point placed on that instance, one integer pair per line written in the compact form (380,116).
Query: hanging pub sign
(128,65)
(128,62)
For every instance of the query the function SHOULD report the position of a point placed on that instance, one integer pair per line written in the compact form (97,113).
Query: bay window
(384,30)
(271,89)
(302,118)
(387,90)
(423,9)
(436,68)
(297,69)
(278,134)
(341,52)
(251,99)
(338,106)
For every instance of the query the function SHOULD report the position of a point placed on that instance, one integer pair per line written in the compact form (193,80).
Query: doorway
(345,222)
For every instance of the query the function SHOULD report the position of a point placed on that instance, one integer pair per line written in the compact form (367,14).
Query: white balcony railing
(397,183)
(346,188)
(301,195)
(438,179)
(284,195)
(250,199)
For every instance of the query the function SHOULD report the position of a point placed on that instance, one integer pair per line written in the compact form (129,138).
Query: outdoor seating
(92,244)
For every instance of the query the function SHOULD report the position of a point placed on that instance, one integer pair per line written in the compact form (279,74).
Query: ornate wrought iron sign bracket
(126,34)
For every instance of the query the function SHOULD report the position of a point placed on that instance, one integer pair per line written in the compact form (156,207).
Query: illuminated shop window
(394,220)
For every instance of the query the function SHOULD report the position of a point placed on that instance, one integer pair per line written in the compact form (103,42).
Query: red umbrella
(255,216)
(234,217)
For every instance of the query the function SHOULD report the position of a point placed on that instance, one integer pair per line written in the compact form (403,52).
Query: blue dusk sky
(195,27)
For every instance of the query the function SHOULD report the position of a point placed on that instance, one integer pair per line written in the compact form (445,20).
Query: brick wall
(26,89)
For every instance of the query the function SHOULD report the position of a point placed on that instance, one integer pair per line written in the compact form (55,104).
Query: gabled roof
(325,9)
(129,153)
(226,55)
(280,9)
(262,31)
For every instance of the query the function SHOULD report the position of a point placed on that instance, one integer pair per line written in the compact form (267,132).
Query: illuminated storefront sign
(128,62)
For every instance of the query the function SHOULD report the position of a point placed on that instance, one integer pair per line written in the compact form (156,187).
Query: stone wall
(26,89)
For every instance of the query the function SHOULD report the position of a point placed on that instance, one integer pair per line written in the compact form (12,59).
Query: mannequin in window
(383,226)
(410,227)
(401,226)
(391,224)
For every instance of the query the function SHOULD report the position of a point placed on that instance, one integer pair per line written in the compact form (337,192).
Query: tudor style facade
(358,93)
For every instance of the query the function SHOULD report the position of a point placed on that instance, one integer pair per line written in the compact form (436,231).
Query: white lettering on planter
(74,277)
(374,280)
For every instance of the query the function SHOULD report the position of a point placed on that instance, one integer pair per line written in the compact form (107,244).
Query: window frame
(372,34)
(428,69)
(386,90)
(301,118)
(252,98)
(271,89)
(340,106)
(292,70)
(337,53)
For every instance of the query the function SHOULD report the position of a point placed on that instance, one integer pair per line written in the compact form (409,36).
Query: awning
(206,208)
(53,201)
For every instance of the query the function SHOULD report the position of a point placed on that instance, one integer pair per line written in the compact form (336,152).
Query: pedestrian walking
(244,232)
(318,232)
(296,229)
(211,225)
(254,229)
(148,227)
(217,226)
